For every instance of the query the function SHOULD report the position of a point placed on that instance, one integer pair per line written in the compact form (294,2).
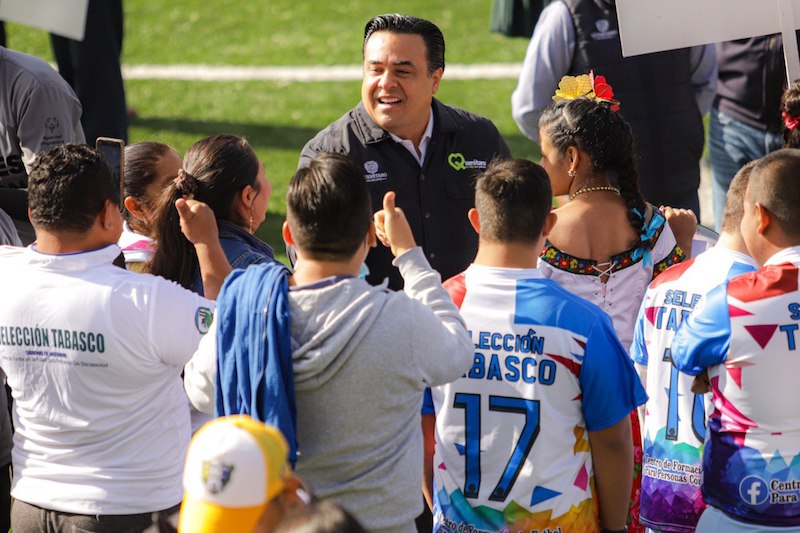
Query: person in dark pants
(92,68)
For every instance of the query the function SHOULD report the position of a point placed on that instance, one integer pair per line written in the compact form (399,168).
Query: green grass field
(284,32)
(278,118)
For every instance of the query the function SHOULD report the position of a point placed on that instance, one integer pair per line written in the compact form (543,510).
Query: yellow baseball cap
(234,467)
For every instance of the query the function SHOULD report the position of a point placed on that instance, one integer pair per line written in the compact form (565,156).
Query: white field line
(486,71)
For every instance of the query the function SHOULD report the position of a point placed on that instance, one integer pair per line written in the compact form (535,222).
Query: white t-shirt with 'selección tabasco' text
(93,354)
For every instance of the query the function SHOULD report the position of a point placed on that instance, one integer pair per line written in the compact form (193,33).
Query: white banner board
(62,17)
(648,26)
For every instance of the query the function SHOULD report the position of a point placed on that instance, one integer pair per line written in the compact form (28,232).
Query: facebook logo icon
(753,490)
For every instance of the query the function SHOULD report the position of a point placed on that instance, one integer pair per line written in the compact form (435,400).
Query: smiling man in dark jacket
(408,142)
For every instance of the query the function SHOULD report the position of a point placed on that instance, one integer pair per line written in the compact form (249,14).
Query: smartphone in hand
(113,150)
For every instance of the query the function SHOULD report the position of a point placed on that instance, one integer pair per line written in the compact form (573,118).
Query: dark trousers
(27,518)
(92,68)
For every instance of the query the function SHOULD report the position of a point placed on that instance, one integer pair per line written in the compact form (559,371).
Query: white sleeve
(547,60)
(178,319)
(441,345)
(200,373)
(703,62)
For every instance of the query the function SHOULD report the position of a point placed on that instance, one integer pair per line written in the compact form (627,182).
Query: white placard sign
(648,26)
(62,17)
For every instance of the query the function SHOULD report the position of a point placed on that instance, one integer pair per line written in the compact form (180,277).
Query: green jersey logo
(202,319)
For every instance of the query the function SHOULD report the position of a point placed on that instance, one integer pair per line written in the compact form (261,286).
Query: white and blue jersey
(675,419)
(745,333)
(512,449)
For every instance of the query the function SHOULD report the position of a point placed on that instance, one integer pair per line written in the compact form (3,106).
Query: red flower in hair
(603,91)
(791,123)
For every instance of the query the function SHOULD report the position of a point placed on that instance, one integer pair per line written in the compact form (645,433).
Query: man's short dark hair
(68,187)
(734,199)
(775,184)
(328,208)
(396,23)
(513,198)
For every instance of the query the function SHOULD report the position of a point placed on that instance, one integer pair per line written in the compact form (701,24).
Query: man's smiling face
(397,89)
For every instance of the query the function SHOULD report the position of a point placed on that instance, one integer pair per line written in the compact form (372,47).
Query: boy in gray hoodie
(362,355)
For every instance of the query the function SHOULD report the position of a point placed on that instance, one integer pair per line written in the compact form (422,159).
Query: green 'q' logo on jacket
(456,161)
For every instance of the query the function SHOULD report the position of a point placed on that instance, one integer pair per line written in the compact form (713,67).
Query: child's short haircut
(328,208)
(734,199)
(775,184)
(513,198)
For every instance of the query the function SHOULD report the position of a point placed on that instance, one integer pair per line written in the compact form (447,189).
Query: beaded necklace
(593,189)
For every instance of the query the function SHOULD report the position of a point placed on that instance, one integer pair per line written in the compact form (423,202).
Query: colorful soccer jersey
(745,333)
(675,419)
(512,448)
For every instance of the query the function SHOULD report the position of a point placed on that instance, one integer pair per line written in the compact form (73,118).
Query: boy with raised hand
(674,423)
(743,333)
(361,355)
(536,435)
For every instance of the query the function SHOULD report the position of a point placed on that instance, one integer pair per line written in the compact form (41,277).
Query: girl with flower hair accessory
(607,228)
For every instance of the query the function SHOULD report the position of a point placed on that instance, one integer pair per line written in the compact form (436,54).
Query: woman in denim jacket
(224,172)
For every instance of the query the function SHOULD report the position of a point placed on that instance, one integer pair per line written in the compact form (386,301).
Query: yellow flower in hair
(588,86)
(571,87)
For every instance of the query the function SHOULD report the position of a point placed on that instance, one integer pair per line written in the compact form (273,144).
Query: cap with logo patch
(234,467)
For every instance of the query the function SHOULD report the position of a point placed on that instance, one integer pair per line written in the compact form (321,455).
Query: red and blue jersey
(675,419)
(745,333)
(512,448)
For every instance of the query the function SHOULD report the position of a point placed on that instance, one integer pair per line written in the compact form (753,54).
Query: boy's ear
(474,220)
(286,233)
(109,218)
(372,239)
(549,222)
(764,218)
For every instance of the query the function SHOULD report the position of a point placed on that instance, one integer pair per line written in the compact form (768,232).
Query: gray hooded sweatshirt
(362,358)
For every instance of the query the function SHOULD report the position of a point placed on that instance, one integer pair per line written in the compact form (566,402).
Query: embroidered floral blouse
(629,274)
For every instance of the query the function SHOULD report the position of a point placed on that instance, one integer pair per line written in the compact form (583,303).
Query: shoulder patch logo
(202,319)
(216,476)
